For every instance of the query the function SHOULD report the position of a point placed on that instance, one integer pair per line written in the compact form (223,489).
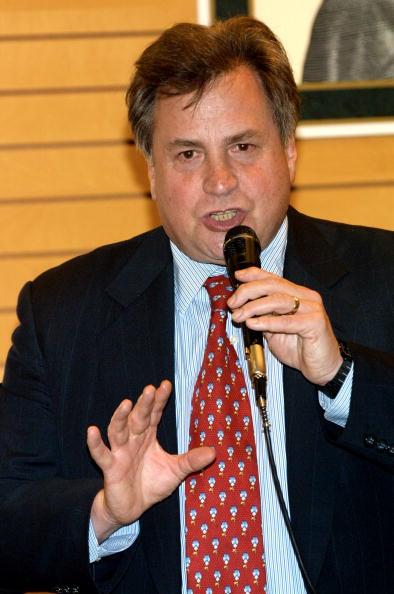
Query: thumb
(195,460)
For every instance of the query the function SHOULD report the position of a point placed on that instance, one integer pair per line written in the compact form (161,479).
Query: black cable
(241,250)
(260,392)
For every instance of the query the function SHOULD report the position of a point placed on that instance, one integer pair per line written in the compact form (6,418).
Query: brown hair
(187,58)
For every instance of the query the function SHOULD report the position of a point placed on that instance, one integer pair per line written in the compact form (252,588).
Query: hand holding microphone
(265,303)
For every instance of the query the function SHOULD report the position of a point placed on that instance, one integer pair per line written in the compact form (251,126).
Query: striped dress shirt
(192,314)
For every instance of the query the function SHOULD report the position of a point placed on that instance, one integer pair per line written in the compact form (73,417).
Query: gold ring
(296,305)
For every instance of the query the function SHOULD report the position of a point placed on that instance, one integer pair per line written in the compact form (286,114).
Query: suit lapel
(312,261)
(312,462)
(144,290)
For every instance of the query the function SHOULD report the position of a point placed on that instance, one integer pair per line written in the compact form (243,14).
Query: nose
(219,178)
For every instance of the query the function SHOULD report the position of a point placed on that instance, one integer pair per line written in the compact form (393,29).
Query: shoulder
(88,275)
(103,264)
(355,244)
(81,287)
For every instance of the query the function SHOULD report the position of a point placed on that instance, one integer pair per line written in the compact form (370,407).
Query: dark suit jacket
(100,327)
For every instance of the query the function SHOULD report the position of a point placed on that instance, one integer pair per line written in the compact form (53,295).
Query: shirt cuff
(337,409)
(119,541)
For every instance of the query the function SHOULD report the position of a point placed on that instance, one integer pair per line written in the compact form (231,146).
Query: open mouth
(224,215)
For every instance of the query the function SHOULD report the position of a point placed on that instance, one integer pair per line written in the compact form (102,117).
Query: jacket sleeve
(44,515)
(369,429)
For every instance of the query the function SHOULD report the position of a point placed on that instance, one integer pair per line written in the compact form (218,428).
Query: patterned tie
(224,543)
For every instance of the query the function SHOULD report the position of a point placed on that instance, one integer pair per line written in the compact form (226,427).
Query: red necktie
(224,541)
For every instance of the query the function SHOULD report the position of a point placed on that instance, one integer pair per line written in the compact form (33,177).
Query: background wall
(70,177)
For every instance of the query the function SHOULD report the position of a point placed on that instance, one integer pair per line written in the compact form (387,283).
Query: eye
(187,155)
(243,147)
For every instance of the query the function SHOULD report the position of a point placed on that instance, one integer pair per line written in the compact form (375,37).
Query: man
(214,110)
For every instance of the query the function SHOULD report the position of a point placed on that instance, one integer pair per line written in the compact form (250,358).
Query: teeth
(224,215)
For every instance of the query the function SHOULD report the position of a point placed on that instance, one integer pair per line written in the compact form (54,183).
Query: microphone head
(241,249)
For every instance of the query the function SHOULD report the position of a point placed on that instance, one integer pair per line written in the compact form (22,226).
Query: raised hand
(137,471)
(305,340)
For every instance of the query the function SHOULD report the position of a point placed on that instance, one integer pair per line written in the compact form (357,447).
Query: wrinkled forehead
(236,91)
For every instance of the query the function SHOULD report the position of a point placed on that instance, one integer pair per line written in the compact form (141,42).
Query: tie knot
(219,290)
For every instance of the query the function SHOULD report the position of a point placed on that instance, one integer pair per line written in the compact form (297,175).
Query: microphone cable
(241,250)
(262,405)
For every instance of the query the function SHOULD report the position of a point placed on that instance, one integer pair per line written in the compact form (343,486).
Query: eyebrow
(184,143)
(243,136)
(233,139)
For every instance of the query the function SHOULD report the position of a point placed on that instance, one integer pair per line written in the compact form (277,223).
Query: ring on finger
(296,306)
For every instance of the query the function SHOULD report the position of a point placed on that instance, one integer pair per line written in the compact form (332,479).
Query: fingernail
(252,322)
(237,314)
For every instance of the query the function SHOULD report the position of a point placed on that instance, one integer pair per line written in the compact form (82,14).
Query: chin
(209,258)
(208,253)
(218,260)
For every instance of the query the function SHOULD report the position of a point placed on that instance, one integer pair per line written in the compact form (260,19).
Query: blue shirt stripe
(192,314)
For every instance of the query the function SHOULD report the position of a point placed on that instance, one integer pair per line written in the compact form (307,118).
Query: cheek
(257,184)
(171,184)
(174,207)
(181,194)
(277,180)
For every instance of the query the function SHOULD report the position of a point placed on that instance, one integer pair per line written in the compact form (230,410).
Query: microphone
(241,250)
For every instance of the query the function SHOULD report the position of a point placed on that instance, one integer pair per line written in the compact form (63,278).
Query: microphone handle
(253,343)
(254,354)
(241,250)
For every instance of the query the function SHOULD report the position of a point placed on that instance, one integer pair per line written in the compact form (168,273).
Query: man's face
(218,164)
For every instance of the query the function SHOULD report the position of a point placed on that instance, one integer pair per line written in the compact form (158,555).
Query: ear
(152,177)
(291,156)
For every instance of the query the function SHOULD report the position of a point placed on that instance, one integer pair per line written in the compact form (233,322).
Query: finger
(278,304)
(249,275)
(162,395)
(140,419)
(97,448)
(253,273)
(195,460)
(149,408)
(257,289)
(118,428)
(262,284)
(311,324)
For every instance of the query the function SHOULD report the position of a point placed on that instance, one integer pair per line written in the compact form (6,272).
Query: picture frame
(347,101)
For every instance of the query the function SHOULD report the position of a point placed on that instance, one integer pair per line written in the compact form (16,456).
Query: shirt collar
(190,275)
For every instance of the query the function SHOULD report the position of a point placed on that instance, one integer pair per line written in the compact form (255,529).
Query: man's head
(188,58)
(214,110)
